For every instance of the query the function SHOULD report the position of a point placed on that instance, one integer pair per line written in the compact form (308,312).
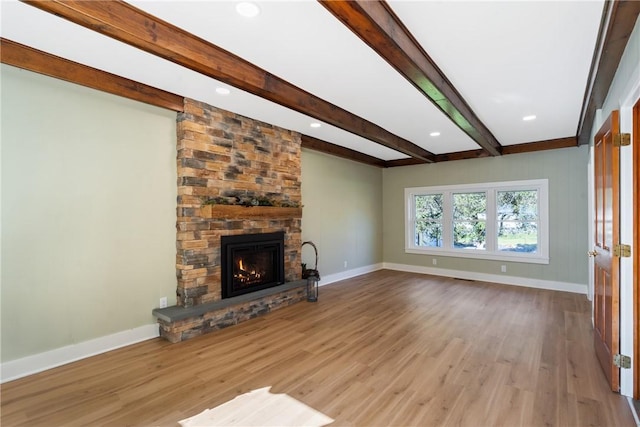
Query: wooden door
(607,233)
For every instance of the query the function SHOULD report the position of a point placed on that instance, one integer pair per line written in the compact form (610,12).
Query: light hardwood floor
(386,348)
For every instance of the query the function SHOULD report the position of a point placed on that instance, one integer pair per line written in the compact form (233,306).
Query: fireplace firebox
(251,262)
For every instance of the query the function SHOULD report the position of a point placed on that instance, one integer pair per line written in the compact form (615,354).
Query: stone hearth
(222,154)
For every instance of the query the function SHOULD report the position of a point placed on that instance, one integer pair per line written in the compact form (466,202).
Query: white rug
(259,408)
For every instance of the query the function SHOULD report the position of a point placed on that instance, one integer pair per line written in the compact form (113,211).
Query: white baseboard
(576,288)
(335,277)
(19,368)
(29,365)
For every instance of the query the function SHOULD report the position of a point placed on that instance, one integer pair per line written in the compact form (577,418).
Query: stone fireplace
(226,164)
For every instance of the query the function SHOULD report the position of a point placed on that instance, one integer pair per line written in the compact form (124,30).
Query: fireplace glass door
(251,262)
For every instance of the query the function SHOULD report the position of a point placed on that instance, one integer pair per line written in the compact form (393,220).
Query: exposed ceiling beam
(618,21)
(462,155)
(137,28)
(315,144)
(551,144)
(403,162)
(379,27)
(528,147)
(27,58)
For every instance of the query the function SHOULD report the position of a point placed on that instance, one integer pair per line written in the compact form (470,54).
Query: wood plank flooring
(382,349)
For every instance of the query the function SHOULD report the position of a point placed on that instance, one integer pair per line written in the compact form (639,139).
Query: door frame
(629,286)
(636,246)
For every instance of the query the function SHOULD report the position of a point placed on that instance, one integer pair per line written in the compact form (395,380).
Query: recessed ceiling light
(434,134)
(222,91)
(315,125)
(247,9)
(529,118)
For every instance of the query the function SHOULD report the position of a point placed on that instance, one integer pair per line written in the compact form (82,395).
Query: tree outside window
(469,220)
(517,221)
(428,232)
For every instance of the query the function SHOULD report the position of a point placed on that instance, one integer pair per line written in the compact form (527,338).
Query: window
(501,221)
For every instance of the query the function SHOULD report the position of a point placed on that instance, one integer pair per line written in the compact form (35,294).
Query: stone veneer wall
(224,154)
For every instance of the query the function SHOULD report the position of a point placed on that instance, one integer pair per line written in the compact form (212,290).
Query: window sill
(512,257)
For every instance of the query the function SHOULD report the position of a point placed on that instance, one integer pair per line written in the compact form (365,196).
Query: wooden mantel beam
(379,27)
(137,28)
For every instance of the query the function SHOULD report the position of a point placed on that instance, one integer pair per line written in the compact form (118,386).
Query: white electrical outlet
(345,264)
(434,261)
(163,302)
(503,268)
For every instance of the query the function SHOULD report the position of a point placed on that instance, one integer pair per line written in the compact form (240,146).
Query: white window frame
(490,252)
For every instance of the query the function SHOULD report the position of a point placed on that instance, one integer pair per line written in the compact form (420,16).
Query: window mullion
(447,220)
(491,237)
(409,218)
(413,220)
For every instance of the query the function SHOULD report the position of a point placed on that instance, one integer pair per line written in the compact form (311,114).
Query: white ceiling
(508,59)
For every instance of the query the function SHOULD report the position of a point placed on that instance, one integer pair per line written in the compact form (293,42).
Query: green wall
(342,212)
(566,170)
(88,213)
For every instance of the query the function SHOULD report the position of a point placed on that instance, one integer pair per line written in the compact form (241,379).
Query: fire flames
(246,274)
